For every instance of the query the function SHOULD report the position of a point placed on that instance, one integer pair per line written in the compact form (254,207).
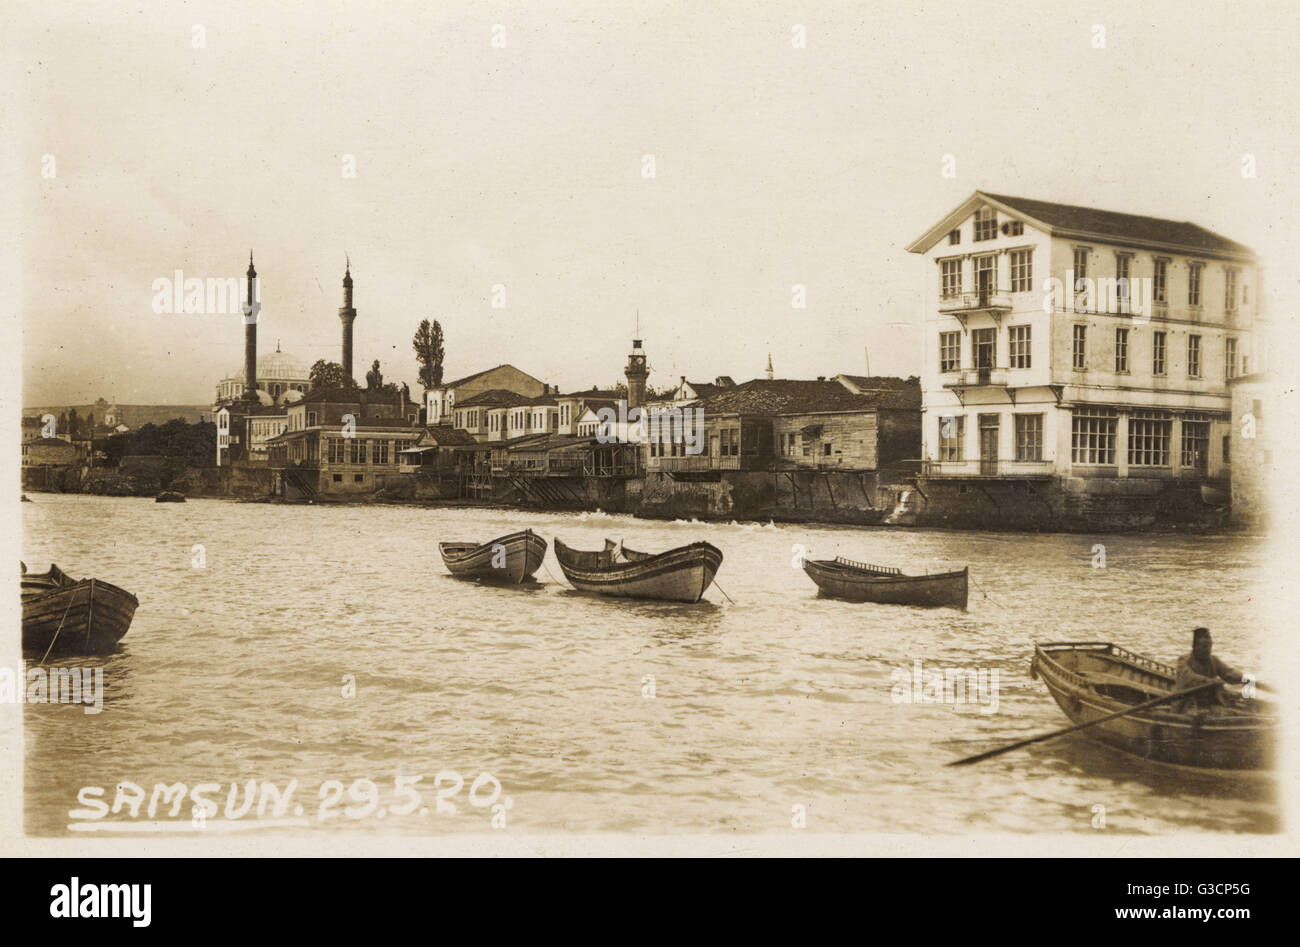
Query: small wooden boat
(860,582)
(510,559)
(678,575)
(169,496)
(1090,679)
(63,616)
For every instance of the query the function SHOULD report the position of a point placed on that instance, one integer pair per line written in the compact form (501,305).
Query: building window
(1015,228)
(1080,348)
(952,431)
(338,478)
(356,451)
(358,478)
(954,237)
(1194,284)
(379,452)
(1123,262)
(1159,281)
(1230,289)
(1148,439)
(1158,353)
(1193,356)
(311,418)
(986,274)
(986,223)
(1080,266)
(1121,350)
(1196,444)
(1227,444)
(1029,437)
(1092,436)
(984,343)
(1022,271)
(826,449)
(949,351)
(950,277)
(1229,358)
(1019,345)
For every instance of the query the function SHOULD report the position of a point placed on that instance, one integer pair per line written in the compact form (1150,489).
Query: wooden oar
(1082,726)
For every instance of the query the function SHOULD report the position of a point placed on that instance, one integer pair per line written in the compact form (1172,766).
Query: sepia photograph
(576,429)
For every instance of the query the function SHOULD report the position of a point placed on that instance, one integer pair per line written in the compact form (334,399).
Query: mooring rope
(723,591)
(60,628)
(987,596)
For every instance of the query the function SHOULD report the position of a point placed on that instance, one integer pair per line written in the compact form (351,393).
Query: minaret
(636,375)
(769,366)
(250,335)
(346,315)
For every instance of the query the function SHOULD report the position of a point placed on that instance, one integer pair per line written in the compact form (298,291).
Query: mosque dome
(275,366)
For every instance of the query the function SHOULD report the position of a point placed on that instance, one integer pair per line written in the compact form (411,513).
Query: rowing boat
(860,582)
(1090,679)
(508,559)
(63,616)
(678,575)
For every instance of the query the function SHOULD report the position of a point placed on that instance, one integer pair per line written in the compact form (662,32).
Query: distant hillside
(133,415)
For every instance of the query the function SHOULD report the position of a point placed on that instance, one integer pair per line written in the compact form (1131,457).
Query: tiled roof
(1075,219)
(444,435)
(602,393)
(352,396)
(787,396)
(469,378)
(494,398)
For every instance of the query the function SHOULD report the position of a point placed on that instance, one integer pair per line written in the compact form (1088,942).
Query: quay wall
(1064,505)
(843,497)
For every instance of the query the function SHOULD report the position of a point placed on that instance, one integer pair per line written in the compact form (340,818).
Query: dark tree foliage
(429,353)
(190,445)
(329,375)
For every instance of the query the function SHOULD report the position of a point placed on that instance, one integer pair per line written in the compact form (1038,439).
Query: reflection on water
(606,715)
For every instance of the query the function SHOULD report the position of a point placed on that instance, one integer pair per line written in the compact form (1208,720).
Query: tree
(74,424)
(429,353)
(374,377)
(329,375)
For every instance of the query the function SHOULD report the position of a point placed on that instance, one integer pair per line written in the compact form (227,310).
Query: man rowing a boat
(1203,667)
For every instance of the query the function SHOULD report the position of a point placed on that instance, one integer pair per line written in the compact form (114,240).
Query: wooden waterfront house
(782,424)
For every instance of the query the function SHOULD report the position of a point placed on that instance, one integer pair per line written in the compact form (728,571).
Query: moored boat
(885,585)
(678,575)
(170,496)
(1090,679)
(509,559)
(64,616)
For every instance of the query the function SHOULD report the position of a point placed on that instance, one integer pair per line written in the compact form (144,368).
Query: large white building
(1120,375)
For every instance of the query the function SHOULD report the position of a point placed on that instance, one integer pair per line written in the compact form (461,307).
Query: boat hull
(508,560)
(678,575)
(947,589)
(1089,680)
(86,617)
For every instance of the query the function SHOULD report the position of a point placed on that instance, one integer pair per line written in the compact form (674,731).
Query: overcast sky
(523,166)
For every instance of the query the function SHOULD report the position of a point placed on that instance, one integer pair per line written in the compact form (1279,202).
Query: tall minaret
(769,366)
(250,335)
(636,375)
(346,315)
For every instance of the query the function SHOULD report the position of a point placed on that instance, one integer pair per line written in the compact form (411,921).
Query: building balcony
(688,463)
(989,376)
(989,469)
(992,301)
